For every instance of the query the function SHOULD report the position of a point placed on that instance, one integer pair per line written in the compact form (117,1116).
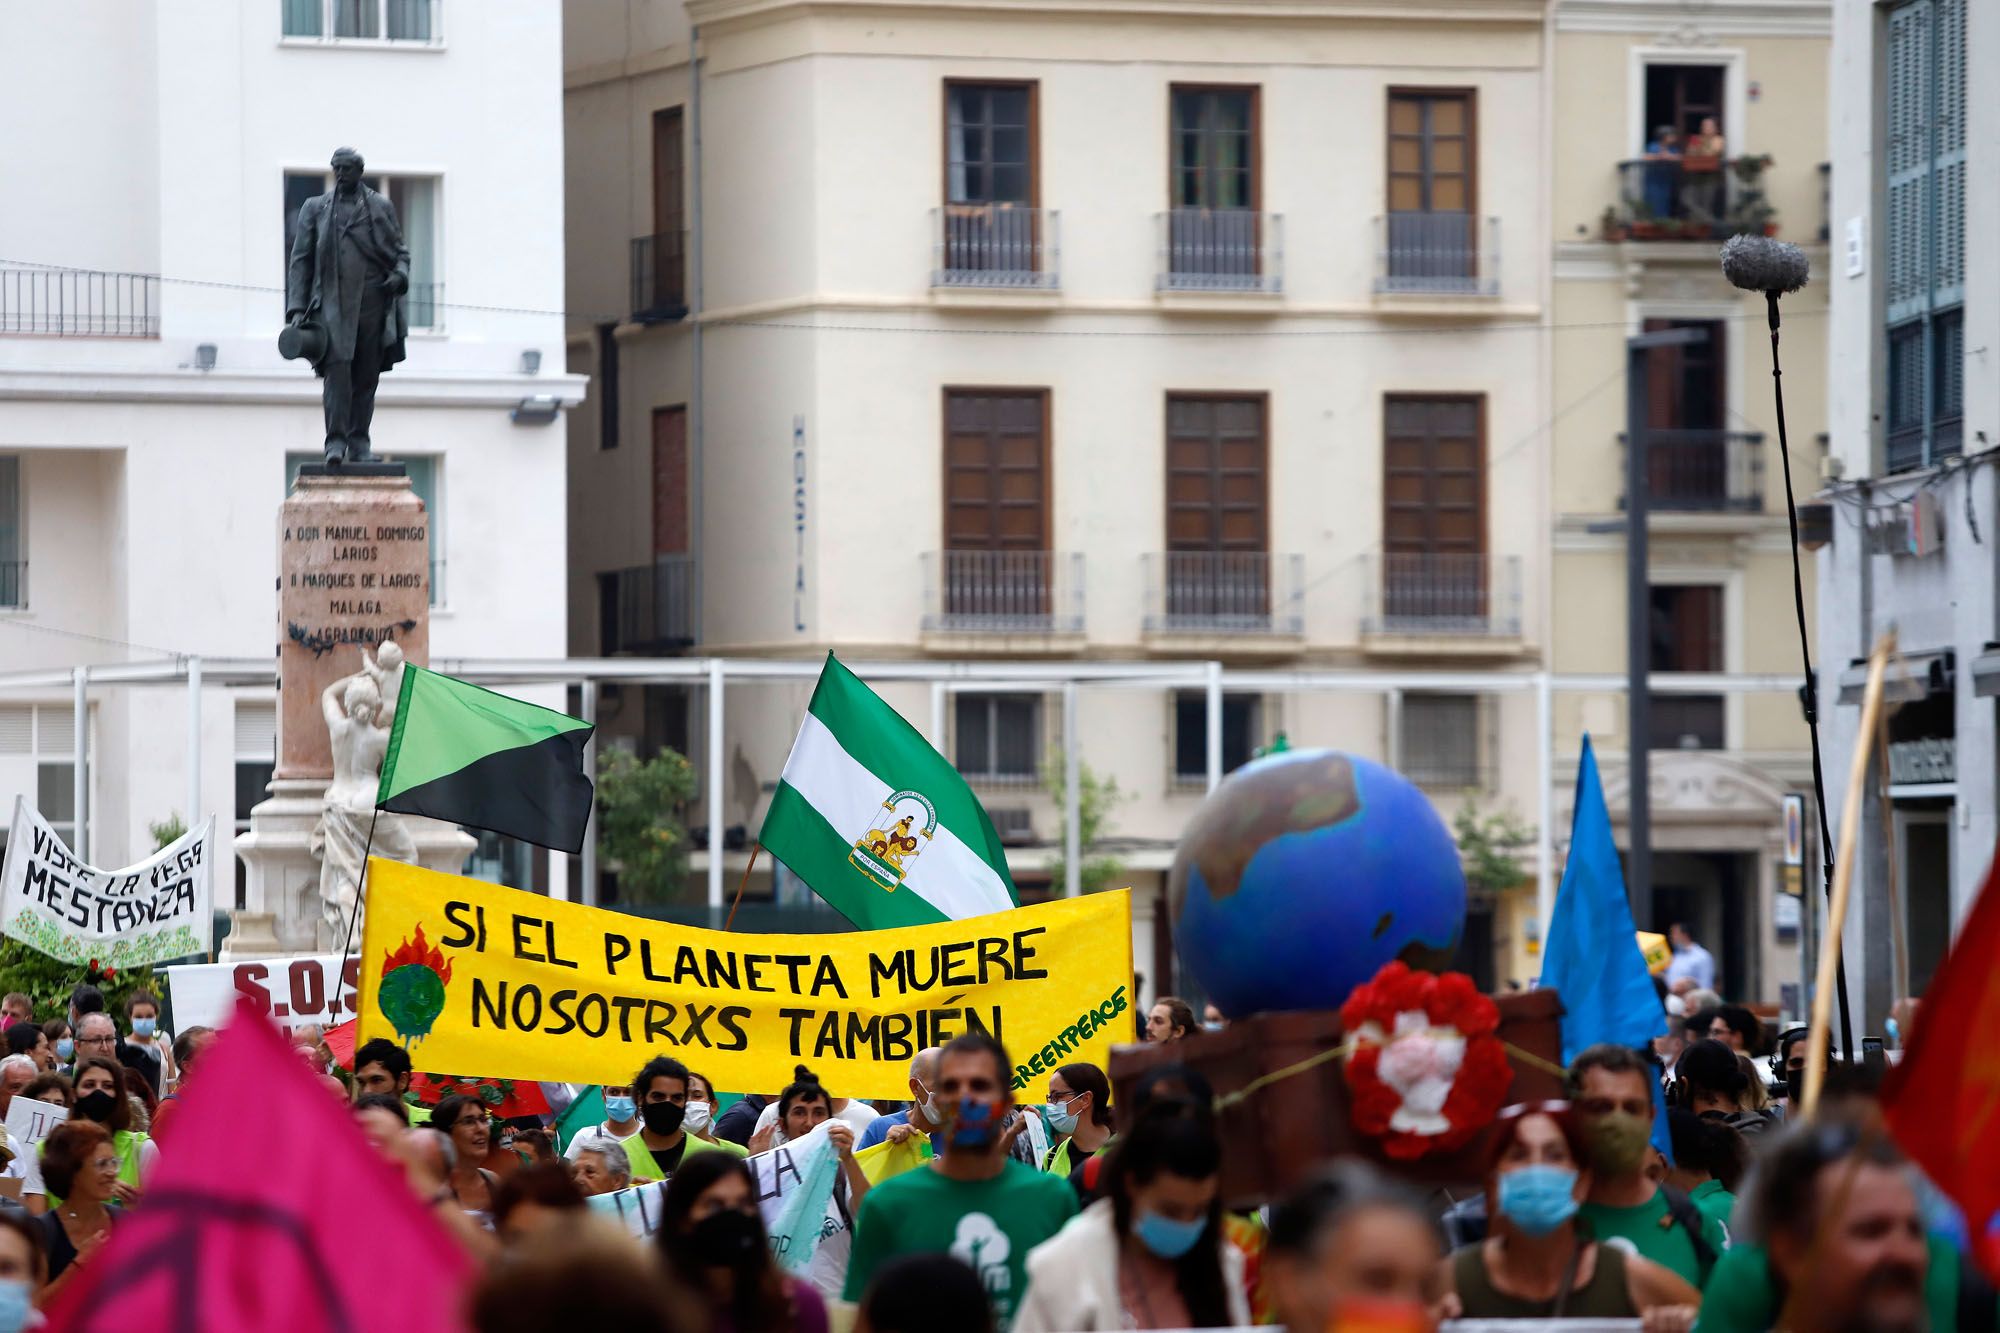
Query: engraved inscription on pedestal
(354,573)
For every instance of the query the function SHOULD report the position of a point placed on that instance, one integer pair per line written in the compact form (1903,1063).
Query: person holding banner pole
(712,1237)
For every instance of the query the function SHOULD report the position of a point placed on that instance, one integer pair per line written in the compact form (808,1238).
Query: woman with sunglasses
(1535,1263)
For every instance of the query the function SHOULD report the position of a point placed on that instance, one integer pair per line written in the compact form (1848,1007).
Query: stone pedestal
(353,573)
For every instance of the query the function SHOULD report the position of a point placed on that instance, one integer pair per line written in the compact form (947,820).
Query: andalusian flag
(470,756)
(879,823)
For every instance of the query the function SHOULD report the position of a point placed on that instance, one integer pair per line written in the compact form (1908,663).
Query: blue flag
(1592,955)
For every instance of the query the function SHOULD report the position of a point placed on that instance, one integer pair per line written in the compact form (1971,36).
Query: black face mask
(728,1239)
(96,1106)
(662,1117)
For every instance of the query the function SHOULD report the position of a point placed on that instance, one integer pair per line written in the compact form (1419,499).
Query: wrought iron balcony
(1438,594)
(1221,250)
(1442,254)
(996,245)
(1003,592)
(1702,471)
(79,303)
(1223,592)
(650,608)
(659,277)
(1691,199)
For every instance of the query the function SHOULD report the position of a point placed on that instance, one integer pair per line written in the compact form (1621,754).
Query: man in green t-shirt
(974,1201)
(1612,1090)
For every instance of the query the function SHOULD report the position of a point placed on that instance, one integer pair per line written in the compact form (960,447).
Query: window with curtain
(1214,136)
(415,199)
(368,20)
(998,738)
(13,586)
(988,159)
(1440,741)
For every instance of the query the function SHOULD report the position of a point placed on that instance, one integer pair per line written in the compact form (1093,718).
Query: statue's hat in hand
(307,340)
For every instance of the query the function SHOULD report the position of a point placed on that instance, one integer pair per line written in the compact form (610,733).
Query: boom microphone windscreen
(1761,264)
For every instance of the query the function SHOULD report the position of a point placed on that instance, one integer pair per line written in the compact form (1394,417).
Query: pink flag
(269,1211)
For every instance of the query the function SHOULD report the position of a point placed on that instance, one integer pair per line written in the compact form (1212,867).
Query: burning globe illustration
(411,996)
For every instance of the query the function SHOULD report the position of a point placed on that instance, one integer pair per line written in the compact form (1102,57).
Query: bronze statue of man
(344,301)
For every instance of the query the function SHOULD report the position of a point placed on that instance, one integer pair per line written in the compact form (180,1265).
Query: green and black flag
(470,756)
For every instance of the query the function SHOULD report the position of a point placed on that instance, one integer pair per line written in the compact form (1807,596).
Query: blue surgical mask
(620,1109)
(1538,1199)
(14,1306)
(1061,1119)
(1894,1029)
(65,1049)
(1166,1237)
(974,1126)
(145,1027)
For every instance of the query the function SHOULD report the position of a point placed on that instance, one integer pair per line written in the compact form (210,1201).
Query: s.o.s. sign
(292,992)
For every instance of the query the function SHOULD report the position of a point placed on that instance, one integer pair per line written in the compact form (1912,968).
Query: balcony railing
(1431,593)
(13,583)
(79,303)
(364,20)
(1691,198)
(995,245)
(654,606)
(659,277)
(1221,250)
(1223,592)
(1702,471)
(1003,592)
(1445,254)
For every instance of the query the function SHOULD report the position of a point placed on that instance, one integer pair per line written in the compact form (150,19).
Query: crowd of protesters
(1074,1213)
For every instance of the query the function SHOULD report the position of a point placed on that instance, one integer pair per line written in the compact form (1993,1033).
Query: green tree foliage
(641,821)
(1096,797)
(1490,846)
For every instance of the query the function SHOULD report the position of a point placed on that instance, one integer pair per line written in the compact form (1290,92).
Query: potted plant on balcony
(1610,227)
(1750,211)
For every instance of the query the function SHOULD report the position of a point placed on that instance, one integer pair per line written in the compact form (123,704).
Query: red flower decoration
(1426,1071)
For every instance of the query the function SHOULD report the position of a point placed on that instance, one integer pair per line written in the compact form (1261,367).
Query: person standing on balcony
(1663,173)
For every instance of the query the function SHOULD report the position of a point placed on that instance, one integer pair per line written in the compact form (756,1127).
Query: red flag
(269,1211)
(1942,1101)
(507,1098)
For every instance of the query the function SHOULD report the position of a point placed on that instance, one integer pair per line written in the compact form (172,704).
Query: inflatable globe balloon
(1304,873)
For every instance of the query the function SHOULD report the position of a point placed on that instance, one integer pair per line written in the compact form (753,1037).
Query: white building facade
(156,157)
(1910,531)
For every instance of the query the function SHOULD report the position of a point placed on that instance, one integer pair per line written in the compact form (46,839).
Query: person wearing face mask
(922,1109)
(974,1200)
(1151,1253)
(621,1122)
(1611,1088)
(1078,1113)
(100,1097)
(712,1238)
(24,1267)
(700,1118)
(661,1090)
(60,1052)
(1534,1262)
(147,1049)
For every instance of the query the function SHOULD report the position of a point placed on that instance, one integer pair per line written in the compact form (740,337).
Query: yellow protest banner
(476,979)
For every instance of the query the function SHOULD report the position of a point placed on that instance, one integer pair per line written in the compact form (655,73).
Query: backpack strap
(1681,1208)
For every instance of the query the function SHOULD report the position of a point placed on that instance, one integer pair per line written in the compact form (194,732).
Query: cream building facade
(1146,334)
(1637,221)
